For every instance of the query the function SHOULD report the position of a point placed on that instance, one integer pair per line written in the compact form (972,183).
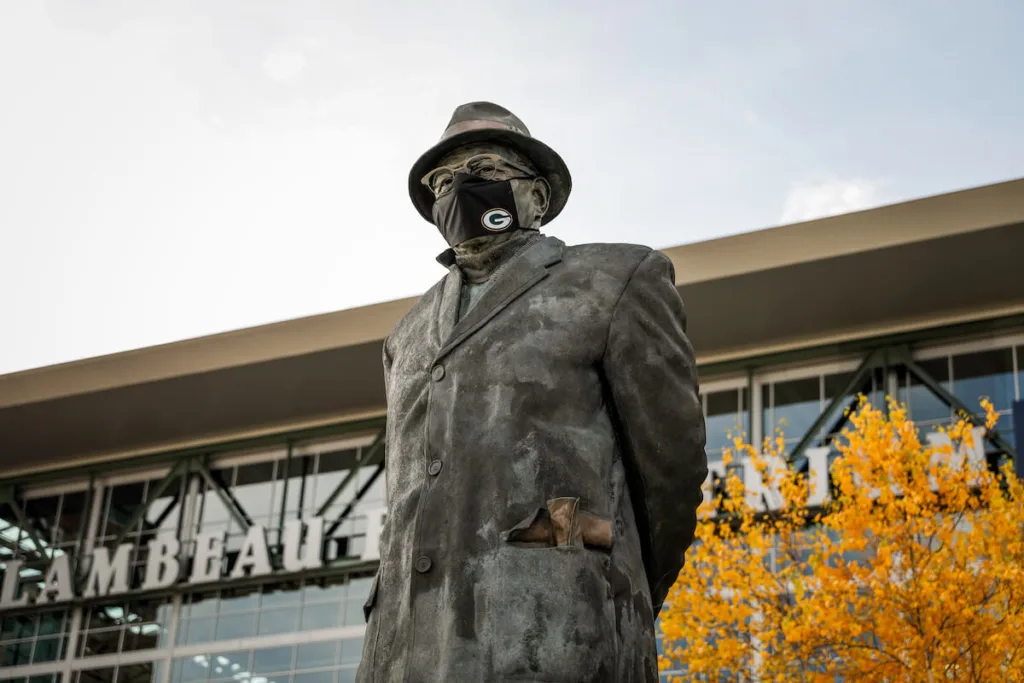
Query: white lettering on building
(303,540)
(303,549)
(57,582)
(9,588)
(162,567)
(108,576)
(254,558)
(295,560)
(206,563)
(764,498)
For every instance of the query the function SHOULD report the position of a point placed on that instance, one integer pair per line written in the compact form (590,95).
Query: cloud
(829,197)
(284,66)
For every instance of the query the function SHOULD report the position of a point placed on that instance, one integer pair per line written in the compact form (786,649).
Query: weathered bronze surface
(558,386)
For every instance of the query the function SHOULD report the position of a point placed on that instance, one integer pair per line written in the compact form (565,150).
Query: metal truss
(8,497)
(838,411)
(374,455)
(199,465)
(182,470)
(186,467)
(175,484)
(223,491)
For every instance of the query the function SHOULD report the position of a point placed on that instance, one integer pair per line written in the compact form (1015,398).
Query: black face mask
(475,207)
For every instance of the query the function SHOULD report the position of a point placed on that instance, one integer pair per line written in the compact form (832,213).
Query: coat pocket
(549,614)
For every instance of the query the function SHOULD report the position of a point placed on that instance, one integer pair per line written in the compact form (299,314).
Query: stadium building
(208,510)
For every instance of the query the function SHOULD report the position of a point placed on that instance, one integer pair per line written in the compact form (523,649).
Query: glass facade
(307,626)
(790,406)
(793,400)
(726,417)
(277,626)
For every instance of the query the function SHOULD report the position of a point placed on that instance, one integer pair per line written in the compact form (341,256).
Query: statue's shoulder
(613,258)
(420,311)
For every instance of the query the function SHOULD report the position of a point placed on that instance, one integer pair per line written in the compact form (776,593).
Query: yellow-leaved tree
(910,569)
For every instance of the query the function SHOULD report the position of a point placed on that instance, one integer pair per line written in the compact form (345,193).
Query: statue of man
(545,439)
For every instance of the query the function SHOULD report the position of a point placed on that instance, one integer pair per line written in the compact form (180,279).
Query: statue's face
(495,162)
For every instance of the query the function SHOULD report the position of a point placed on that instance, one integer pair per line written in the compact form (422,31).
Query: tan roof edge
(916,220)
(348,327)
(966,316)
(857,333)
(167,447)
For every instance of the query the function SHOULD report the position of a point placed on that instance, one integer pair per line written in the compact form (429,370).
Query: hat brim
(549,165)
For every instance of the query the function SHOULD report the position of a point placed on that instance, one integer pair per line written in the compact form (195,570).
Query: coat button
(437,373)
(434,468)
(423,564)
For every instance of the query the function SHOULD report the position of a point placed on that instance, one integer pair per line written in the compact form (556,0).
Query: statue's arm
(651,372)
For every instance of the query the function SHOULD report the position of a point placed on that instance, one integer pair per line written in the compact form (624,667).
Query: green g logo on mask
(475,207)
(496,220)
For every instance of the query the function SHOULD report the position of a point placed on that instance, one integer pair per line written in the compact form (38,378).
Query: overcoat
(545,456)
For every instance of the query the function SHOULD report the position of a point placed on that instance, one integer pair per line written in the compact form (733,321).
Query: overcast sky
(176,169)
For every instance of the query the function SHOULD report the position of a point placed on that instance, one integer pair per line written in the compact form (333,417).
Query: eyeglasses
(486,166)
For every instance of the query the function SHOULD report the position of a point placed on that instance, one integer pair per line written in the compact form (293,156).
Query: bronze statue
(545,439)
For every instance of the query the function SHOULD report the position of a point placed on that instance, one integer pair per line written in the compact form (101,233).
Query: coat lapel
(527,268)
(448,305)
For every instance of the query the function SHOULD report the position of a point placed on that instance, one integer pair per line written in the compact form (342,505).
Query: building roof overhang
(941,260)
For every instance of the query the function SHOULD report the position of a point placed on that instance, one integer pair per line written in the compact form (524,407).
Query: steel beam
(83,528)
(796,457)
(352,505)
(284,495)
(7,496)
(374,456)
(890,358)
(175,500)
(844,417)
(352,473)
(302,489)
(956,404)
(179,468)
(224,493)
(368,458)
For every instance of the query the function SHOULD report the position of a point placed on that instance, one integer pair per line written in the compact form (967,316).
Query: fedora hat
(487,122)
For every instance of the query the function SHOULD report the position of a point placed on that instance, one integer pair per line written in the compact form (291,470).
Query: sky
(177,168)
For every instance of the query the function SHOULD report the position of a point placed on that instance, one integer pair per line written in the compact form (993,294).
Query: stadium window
(925,407)
(984,373)
(725,418)
(791,406)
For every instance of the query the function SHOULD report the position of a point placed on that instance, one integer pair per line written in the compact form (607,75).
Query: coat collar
(448,304)
(447,257)
(522,272)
